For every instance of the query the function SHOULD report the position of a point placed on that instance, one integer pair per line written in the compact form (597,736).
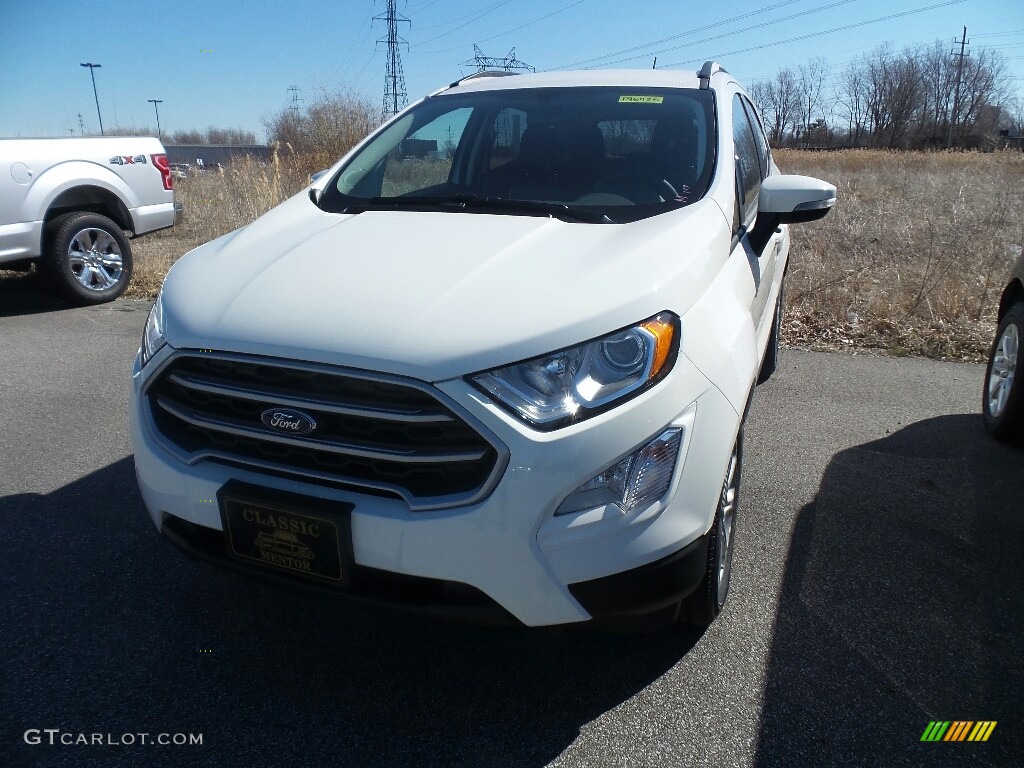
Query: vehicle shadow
(112,630)
(901,604)
(25,294)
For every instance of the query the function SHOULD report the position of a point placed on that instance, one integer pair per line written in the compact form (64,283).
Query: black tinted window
(763,152)
(747,161)
(627,151)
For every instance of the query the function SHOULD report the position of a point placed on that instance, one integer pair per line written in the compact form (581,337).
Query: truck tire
(87,258)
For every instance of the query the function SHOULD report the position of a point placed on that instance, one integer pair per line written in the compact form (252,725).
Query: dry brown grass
(911,260)
(215,203)
(914,255)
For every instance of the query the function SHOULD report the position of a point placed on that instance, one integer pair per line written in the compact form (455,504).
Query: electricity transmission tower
(507,63)
(395,97)
(294,108)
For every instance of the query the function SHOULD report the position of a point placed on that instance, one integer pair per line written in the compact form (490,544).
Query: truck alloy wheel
(89,258)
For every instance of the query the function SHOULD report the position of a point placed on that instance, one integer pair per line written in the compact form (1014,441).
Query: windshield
(584,154)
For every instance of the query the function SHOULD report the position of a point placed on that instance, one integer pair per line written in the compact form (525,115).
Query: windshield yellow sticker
(641,99)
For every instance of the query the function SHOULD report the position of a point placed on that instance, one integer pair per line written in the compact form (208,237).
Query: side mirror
(795,199)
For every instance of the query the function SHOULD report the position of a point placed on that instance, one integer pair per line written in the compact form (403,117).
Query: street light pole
(155,109)
(92,67)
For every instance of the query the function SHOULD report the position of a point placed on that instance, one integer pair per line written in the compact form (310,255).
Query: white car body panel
(426,307)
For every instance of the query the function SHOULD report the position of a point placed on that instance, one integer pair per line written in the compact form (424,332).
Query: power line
(809,35)
(345,62)
(490,9)
(751,28)
(687,33)
(510,31)
(1002,34)
(421,8)
(761,25)
(457,19)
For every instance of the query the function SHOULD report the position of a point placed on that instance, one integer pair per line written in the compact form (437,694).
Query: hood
(433,295)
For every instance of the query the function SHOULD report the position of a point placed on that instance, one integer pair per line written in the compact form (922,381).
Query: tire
(1002,402)
(701,608)
(87,258)
(771,354)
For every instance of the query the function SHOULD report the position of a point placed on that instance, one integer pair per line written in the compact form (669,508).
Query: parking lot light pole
(155,109)
(92,68)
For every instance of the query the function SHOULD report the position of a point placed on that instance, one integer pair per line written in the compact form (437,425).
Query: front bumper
(509,547)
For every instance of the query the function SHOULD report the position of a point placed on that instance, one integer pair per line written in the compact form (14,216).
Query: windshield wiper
(471,202)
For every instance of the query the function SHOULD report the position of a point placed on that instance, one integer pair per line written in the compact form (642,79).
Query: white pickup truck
(72,205)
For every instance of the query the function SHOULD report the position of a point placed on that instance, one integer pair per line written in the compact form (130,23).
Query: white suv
(494,362)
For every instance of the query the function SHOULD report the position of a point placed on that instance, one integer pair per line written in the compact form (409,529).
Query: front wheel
(88,258)
(701,608)
(1003,401)
(771,353)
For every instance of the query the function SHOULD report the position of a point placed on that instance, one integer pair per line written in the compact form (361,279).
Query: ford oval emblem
(288,420)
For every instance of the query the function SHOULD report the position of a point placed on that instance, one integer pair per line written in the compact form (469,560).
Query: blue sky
(229,63)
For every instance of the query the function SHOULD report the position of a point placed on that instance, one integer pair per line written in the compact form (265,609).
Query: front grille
(386,434)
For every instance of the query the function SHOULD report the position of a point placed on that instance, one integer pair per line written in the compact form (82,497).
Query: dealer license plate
(288,539)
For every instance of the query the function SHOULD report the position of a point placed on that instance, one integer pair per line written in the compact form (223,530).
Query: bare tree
(331,124)
(852,96)
(984,84)
(892,99)
(779,104)
(810,86)
(213,135)
(938,73)
(895,95)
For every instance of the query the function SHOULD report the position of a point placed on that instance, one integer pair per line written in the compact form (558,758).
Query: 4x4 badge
(128,160)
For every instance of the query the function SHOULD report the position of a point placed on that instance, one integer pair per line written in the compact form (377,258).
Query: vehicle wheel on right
(701,608)
(1003,401)
(87,258)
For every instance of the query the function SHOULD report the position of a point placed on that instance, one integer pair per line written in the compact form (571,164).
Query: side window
(748,163)
(424,158)
(763,151)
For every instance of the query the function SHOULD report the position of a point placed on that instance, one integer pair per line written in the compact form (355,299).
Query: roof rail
(484,73)
(710,67)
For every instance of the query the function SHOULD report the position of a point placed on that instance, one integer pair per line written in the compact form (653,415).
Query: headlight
(153,335)
(576,383)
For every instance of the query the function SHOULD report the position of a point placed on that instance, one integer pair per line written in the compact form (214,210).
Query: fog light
(639,479)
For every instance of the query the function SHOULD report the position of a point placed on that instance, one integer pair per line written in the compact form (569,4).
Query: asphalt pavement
(877,587)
